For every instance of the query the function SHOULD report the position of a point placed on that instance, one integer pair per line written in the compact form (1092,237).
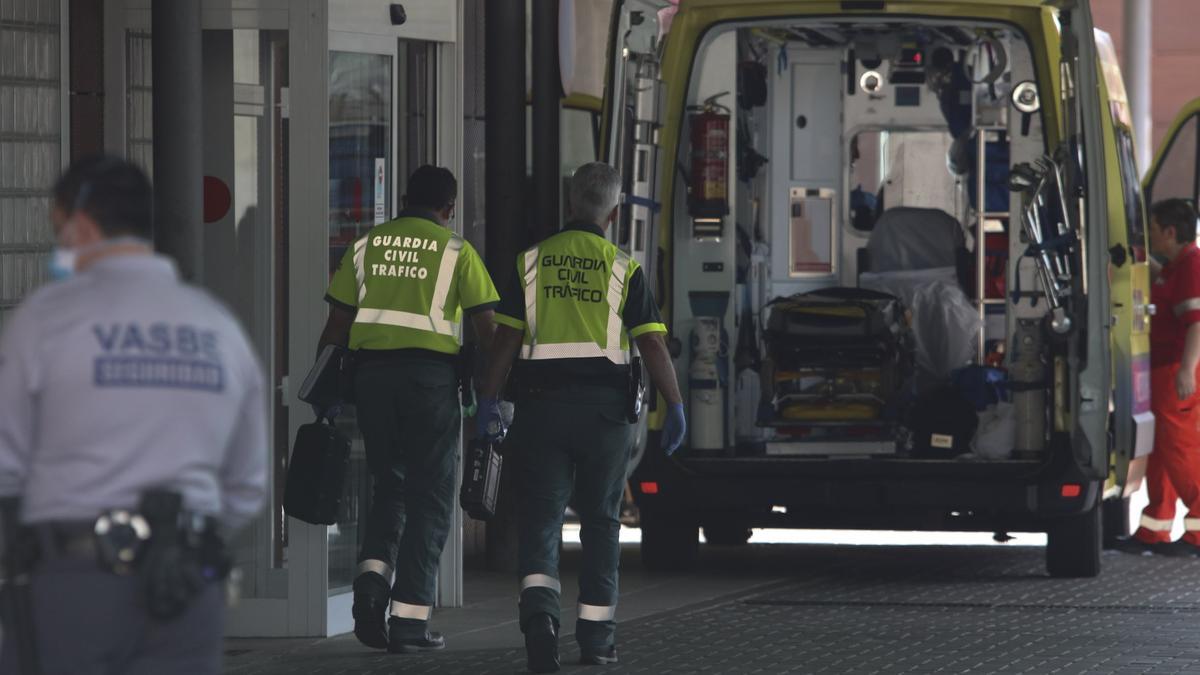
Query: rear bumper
(887,494)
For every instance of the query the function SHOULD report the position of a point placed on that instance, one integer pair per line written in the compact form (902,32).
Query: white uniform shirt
(121,379)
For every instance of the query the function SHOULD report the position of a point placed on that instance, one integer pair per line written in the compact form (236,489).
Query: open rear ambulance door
(1129,287)
(1086,390)
(630,122)
(1175,172)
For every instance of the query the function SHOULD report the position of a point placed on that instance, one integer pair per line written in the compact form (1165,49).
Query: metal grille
(30,142)
(139,118)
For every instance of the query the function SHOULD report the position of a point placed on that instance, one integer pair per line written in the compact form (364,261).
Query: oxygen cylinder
(749,394)
(1027,379)
(706,394)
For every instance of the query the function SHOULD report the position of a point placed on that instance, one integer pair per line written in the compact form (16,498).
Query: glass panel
(1176,176)
(253,261)
(1134,210)
(360,139)
(244,246)
(418,127)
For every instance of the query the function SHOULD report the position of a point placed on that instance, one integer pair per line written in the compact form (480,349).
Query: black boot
(541,644)
(597,657)
(370,609)
(408,636)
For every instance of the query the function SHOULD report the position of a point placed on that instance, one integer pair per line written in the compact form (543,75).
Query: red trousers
(1173,470)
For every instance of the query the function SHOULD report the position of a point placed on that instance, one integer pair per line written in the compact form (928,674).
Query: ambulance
(901,249)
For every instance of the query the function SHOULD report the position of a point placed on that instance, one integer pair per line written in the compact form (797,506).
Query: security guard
(1173,472)
(574,304)
(130,402)
(398,299)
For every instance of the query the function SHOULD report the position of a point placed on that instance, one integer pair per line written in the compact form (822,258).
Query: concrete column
(178,135)
(547,95)
(1138,55)
(506,234)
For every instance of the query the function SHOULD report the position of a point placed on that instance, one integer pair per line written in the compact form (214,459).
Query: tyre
(1115,518)
(727,535)
(670,542)
(1073,545)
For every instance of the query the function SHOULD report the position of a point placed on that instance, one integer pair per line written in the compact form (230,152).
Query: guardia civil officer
(398,299)
(131,405)
(574,306)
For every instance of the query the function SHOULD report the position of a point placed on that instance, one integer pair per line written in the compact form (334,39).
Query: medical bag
(316,474)
(942,424)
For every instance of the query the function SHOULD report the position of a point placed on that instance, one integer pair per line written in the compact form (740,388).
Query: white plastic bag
(997,433)
(945,325)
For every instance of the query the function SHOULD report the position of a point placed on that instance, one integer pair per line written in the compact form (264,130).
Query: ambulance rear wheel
(727,535)
(1073,545)
(670,542)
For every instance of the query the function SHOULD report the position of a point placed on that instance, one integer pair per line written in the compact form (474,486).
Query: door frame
(308,609)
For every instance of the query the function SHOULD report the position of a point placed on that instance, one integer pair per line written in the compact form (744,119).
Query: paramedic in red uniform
(1173,471)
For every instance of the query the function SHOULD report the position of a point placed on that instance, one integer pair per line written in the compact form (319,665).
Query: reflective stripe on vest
(1191,524)
(535,351)
(435,321)
(360,267)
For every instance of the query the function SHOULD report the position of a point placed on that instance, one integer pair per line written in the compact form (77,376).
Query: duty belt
(115,540)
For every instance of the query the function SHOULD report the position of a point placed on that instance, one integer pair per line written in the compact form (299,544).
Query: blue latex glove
(674,429)
(489,423)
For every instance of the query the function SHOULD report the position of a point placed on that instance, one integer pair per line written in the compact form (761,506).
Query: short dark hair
(431,187)
(113,191)
(1179,214)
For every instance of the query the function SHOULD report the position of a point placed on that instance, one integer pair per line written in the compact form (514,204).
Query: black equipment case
(481,480)
(316,475)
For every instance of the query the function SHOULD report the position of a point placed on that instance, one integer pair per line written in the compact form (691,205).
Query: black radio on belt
(637,390)
(481,479)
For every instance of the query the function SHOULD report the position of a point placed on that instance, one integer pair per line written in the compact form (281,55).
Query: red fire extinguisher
(709,197)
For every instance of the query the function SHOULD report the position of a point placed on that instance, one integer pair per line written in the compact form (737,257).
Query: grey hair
(594,192)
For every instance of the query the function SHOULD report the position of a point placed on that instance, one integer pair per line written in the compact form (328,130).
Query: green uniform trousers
(408,411)
(574,438)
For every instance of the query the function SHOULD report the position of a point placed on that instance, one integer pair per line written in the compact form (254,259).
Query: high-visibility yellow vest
(409,280)
(575,285)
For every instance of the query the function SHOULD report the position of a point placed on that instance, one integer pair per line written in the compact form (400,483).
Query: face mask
(63,259)
(62,263)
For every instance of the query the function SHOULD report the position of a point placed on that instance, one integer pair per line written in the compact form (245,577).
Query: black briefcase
(316,476)
(481,480)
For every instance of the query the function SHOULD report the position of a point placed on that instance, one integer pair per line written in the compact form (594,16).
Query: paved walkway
(826,609)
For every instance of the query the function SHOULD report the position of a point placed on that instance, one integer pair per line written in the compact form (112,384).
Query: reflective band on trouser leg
(1155,524)
(1191,524)
(531,269)
(403,610)
(540,581)
(360,268)
(377,566)
(597,612)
